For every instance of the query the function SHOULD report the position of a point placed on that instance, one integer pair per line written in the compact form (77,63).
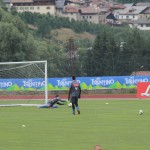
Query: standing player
(74,94)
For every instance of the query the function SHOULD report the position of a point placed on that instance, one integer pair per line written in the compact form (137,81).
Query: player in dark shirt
(51,103)
(74,94)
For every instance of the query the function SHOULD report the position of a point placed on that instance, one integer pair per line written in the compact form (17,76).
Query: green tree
(44,27)
(11,43)
(131,55)
(146,55)
(2,5)
(105,54)
(55,56)
(15,20)
(15,46)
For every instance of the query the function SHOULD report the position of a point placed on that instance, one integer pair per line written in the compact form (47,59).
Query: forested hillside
(100,50)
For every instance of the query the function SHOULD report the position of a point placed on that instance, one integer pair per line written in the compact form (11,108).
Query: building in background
(34,6)
(93,11)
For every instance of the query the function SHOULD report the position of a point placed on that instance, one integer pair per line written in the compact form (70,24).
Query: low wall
(62,92)
(100,91)
(37,95)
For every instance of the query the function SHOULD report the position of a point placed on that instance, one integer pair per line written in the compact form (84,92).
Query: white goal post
(23,81)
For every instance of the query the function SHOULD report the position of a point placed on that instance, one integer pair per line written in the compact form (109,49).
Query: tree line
(112,56)
(46,22)
(115,51)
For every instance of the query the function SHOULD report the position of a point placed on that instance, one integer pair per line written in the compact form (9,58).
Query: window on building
(133,16)
(31,8)
(16,8)
(38,7)
(83,17)
(147,25)
(48,7)
(127,17)
(21,8)
(141,25)
(90,17)
(26,8)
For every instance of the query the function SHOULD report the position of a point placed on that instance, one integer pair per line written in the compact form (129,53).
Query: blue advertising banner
(89,83)
(100,82)
(21,84)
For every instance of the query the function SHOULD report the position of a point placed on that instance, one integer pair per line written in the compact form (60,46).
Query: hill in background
(64,34)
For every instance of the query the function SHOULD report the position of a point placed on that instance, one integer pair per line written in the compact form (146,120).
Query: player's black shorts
(74,100)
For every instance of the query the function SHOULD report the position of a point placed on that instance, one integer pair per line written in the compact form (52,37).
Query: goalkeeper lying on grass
(51,103)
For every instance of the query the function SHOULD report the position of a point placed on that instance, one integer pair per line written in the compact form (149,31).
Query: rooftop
(133,10)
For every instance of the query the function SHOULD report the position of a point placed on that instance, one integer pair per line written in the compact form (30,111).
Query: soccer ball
(141,112)
(70,104)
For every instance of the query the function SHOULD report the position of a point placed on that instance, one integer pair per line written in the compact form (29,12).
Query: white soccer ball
(141,112)
(70,104)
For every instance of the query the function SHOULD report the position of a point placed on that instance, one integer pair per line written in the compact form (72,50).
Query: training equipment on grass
(70,104)
(141,112)
(23,81)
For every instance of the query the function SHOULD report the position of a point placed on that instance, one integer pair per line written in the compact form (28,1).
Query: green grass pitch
(116,126)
